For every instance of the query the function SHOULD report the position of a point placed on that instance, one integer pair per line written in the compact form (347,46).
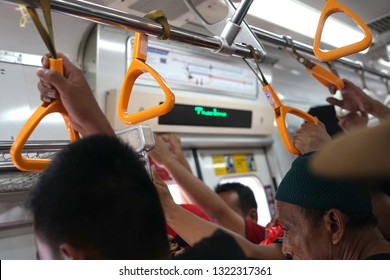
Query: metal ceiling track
(107,16)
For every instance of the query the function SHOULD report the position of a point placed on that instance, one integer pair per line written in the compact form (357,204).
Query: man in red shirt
(220,211)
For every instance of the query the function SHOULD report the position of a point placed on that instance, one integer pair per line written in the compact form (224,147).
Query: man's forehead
(287,212)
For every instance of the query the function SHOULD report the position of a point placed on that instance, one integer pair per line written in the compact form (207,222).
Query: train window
(264,198)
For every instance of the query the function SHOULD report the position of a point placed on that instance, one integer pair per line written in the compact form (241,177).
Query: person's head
(321,217)
(240,198)
(363,154)
(96,201)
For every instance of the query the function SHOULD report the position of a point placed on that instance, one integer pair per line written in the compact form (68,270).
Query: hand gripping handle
(37,164)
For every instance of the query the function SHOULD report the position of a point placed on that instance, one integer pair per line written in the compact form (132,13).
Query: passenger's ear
(70,252)
(252,215)
(335,222)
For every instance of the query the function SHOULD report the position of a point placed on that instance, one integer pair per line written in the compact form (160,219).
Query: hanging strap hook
(159,17)
(138,66)
(361,71)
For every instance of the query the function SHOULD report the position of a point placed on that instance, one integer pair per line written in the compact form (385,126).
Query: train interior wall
(102,52)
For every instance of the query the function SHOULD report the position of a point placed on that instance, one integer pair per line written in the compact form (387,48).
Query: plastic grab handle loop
(137,68)
(37,164)
(280,115)
(325,77)
(282,128)
(331,7)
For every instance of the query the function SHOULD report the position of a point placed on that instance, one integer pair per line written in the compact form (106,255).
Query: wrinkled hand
(84,112)
(311,137)
(353,120)
(354,98)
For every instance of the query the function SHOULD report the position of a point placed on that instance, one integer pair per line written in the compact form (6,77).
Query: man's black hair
(97,193)
(246,197)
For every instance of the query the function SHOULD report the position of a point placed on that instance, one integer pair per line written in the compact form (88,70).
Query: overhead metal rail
(280,41)
(111,17)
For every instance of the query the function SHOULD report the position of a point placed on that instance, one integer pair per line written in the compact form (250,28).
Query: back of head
(303,188)
(246,196)
(97,193)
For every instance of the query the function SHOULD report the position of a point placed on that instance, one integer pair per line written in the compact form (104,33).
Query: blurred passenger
(218,210)
(362,153)
(96,201)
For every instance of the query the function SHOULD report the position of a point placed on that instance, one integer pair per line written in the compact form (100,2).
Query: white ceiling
(179,15)
(366,10)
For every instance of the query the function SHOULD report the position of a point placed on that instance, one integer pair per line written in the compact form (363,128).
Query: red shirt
(254,232)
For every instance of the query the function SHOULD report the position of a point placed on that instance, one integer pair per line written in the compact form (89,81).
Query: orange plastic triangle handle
(280,115)
(137,68)
(324,76)
(37,164)
(282,128)
(331,7)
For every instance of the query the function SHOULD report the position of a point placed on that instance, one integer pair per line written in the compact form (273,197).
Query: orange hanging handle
(37,164)
(280,115)
(138,67)
(320,73)
(324,76)
(331,7)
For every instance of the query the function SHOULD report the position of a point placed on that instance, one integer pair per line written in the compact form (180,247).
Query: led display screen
(195,115)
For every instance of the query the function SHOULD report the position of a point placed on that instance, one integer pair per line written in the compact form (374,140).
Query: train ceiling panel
(376,16)
(175,10)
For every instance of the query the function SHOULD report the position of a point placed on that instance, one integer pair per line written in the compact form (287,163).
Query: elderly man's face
(303,240)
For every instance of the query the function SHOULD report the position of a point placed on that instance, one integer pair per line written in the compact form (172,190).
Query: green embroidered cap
(301,187)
